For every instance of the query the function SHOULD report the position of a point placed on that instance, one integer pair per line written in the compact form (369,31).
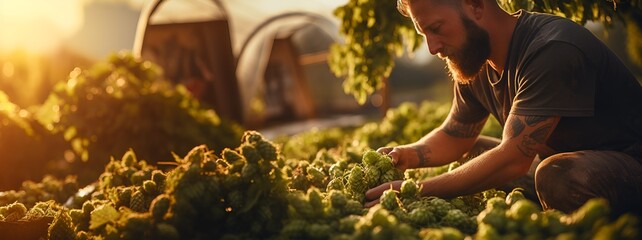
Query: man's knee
(566,181)
(556,182)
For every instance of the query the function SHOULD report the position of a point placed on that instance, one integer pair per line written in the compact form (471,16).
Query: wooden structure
(197,54)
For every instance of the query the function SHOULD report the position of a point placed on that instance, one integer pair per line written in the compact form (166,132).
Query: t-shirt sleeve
(466,107)
(556,81)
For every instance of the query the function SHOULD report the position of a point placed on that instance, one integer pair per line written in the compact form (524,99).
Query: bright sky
(41,25)
(38,25)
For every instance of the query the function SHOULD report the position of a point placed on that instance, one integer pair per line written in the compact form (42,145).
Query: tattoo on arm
(516,128)
(532,120)
(462,130)
(421,154)
(531,132)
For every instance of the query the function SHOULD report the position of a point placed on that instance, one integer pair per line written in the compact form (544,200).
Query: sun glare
(38,25)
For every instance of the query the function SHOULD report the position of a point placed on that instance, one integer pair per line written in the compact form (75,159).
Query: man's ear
(474,7)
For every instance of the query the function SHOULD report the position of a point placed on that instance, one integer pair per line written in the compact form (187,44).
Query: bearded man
(560,94)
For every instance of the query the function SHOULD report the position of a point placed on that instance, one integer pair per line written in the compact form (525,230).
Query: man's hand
(406,156)
(373,195)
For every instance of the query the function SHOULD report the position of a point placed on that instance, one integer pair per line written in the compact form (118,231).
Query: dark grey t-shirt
(556,67)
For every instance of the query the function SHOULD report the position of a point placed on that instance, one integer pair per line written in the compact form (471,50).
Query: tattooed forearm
(531,142)
(516,128)
(463,130)
(423,153)
(540,134)
(530,132)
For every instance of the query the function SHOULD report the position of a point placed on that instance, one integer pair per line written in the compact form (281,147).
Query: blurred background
(259,63)
(42,41)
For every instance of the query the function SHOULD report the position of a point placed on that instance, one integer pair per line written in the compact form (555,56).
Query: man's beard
(465,63)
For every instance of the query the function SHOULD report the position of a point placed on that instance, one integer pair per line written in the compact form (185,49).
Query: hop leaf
(102,215)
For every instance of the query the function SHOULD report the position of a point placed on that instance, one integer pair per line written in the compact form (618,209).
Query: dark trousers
(565,181)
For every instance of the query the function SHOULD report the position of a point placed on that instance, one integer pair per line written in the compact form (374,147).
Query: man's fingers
(394,154)
(376,192)
(384,150)
(371,203)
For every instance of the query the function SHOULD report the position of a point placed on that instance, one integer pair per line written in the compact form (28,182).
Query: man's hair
(403,6)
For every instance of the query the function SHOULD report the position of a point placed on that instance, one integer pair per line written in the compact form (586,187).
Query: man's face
(452,36)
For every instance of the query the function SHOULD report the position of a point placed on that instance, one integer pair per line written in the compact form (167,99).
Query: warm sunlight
(38,25)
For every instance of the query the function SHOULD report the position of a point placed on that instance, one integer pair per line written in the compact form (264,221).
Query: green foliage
(207,196)
(375,33)
(605,11)
(125,103)
(24,143)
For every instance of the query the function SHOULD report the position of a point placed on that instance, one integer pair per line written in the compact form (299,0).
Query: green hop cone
(440,207)
(372,176)
(138,222)
(353,207)
(159,178)
(389,200)
(250,153)
(589,213)
(196,155)
(385,164)
(231,156)
(137,202)
(316,175)
(335,184)
(87,208)
(515,196)
(249,171)
(267,150)
(318,231)
(338,199)
(209,166)
(494,217)
(252,137)
(294,229)
(159,207)
(149,187)
(391,175)
(76,216)
(129,159)
(409,189)
(165,231)
(458,219)
(61,228)
(315,199)
(522,210)
(13,212)
(370,158)
(422,217)
(496,203)
(124,196)
(444,233)
(551,221)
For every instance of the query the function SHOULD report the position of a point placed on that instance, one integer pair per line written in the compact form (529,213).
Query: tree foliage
(375,33)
